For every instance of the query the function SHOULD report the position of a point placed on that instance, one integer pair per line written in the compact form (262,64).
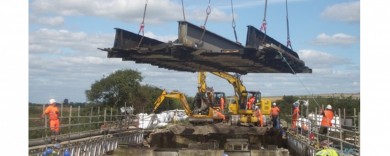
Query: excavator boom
(239,88)
(173,95)
(194,117)
(241,107)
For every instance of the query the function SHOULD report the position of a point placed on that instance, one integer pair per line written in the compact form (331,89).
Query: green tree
(115,90)
(123,88)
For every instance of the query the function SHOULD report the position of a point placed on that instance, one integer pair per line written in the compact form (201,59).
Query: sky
(68,41)
(64,37)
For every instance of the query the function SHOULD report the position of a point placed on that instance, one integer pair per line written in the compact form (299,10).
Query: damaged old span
(197,49)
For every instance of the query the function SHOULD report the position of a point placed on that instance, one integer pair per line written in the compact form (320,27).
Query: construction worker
(53,113)
(295,115)
(327,152)
(275,115)
(222,104)
(326,119)
(250,102)
(218,113)
(259,115)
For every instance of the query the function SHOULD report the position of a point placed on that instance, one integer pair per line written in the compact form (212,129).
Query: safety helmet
(328,107)
(256,107)
(295,104)
(51,101)
(274,104)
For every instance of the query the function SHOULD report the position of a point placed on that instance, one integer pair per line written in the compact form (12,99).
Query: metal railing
(344,138)
(80,121)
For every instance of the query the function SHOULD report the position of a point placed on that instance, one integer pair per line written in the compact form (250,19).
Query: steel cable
(142,26)
(208,11)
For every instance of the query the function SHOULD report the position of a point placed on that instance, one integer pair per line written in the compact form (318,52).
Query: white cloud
(66,63)
(335,39)
(65,42)
(318,59)
(128,11)
(52,21)
(345,12)
(157,11)
(161,38)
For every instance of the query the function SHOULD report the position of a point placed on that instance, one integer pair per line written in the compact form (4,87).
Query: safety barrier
(307,141)
(300,146)
(93,146)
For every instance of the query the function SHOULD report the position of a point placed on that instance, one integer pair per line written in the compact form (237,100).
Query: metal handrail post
(341,130)
(316,123)
(98,116)
(104,117)
(45,120)
(69,123)
(90,119)
(62,107)
(78,116)
(111,114)
(354,118)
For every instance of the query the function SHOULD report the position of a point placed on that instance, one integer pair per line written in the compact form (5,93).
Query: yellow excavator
(202,114)
(239,113)
(216,100)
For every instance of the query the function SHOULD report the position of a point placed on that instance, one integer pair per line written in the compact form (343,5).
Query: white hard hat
(51,101)
(274,104)
(328,107)
(256,107)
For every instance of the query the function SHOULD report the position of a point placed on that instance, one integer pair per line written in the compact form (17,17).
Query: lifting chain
(234,22)
(263,26)
(182,6)
(208,11)
(142,26)
(288,29)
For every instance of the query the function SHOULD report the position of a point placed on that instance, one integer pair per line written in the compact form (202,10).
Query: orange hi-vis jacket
(220,115)
(259,116)
(222,103)
(250,102)
(275,111)
(327,118)
(295,113)
(52,111)
(295,116)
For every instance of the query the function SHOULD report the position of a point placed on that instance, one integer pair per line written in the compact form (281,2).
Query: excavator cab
(219,101)
(256,95)
(263,104)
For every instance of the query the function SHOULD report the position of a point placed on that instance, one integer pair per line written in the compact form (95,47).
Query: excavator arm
(241,95)
(239,88)
(173,95)
(211,116)
(202,87)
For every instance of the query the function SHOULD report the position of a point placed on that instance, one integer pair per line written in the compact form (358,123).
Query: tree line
(124,87)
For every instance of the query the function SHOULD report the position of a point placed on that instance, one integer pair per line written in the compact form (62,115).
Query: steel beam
(197,49)
(194,36)
(129,40)
(265,45)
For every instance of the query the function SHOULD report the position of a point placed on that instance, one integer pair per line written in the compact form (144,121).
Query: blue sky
(64,36)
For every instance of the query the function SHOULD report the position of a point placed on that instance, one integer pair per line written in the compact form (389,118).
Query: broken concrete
(214,136)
